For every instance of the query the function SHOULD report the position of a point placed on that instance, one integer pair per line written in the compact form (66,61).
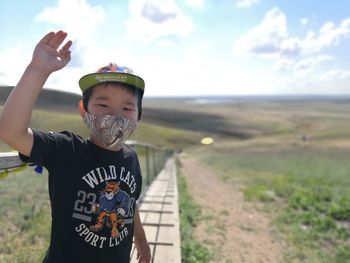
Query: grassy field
(305,184)
(290,154)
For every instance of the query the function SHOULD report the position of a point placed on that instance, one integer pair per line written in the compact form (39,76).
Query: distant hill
(49,99)
(207,115)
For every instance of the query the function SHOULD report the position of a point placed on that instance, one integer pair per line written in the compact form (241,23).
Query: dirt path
(234,228)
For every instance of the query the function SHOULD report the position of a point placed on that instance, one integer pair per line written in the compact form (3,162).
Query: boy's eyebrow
(102,98)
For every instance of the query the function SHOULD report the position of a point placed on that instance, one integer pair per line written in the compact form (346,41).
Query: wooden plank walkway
(160,217)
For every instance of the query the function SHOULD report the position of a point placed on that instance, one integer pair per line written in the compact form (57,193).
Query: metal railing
(152,159)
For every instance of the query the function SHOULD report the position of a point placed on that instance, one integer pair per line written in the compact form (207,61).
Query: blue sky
(189,47)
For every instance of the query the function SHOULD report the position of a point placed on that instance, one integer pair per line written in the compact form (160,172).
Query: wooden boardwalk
(160,217)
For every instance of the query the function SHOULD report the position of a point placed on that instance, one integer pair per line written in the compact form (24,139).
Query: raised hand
(47,58)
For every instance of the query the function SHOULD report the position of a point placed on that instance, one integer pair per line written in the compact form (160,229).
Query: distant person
(93,183)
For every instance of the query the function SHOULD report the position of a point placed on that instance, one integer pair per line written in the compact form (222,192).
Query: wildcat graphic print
(111,209)
(105,209)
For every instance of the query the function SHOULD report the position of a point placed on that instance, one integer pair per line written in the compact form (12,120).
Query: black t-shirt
(93,193)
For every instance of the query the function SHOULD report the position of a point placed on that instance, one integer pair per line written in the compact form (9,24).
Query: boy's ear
(81,109)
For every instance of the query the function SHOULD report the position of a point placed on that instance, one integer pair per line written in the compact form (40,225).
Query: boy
(94,183)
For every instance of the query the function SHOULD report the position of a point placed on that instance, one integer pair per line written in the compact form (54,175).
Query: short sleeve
(45,148)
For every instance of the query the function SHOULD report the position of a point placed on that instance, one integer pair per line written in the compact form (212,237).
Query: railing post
(155,170)
(148,168)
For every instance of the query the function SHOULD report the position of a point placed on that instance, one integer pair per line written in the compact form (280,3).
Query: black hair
(135,91)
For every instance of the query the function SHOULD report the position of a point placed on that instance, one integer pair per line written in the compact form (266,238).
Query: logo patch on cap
(111,78)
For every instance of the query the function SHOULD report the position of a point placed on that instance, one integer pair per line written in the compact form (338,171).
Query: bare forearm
(139,232)
(17,111)
(142,246)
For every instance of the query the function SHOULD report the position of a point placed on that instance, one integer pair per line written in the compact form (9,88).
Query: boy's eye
(128,109)
(102,105)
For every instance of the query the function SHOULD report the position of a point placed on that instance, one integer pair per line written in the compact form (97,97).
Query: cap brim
(93,79)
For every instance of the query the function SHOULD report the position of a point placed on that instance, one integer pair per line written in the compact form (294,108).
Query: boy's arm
(143,249)
(16,114)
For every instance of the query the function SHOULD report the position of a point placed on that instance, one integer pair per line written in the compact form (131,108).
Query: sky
(189,47)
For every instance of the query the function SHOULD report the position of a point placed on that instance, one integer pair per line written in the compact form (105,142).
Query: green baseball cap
(112,73)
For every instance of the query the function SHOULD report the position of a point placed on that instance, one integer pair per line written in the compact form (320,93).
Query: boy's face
(113,100)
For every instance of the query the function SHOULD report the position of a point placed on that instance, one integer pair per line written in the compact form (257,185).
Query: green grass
(25,217)
(192,251)
(305,185)
(309,189)
(166,136)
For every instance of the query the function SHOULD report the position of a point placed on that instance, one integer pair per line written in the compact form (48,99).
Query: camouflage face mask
(111,130)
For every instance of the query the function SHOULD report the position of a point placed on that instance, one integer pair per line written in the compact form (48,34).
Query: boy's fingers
(64,51)
(47,37)
(56,40)
(65,56)
(66,46)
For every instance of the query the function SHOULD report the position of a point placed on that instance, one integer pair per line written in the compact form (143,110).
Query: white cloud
(328,35)
(283,66)
(156,13)
(271,39)
(195,3)
(246,3)
(14,61)
(166,43)
(305,76)
(154,19)
(302,83)
(76,16)
(335,75)
(301,66)
(334,82)
(196,71)
(310,63)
